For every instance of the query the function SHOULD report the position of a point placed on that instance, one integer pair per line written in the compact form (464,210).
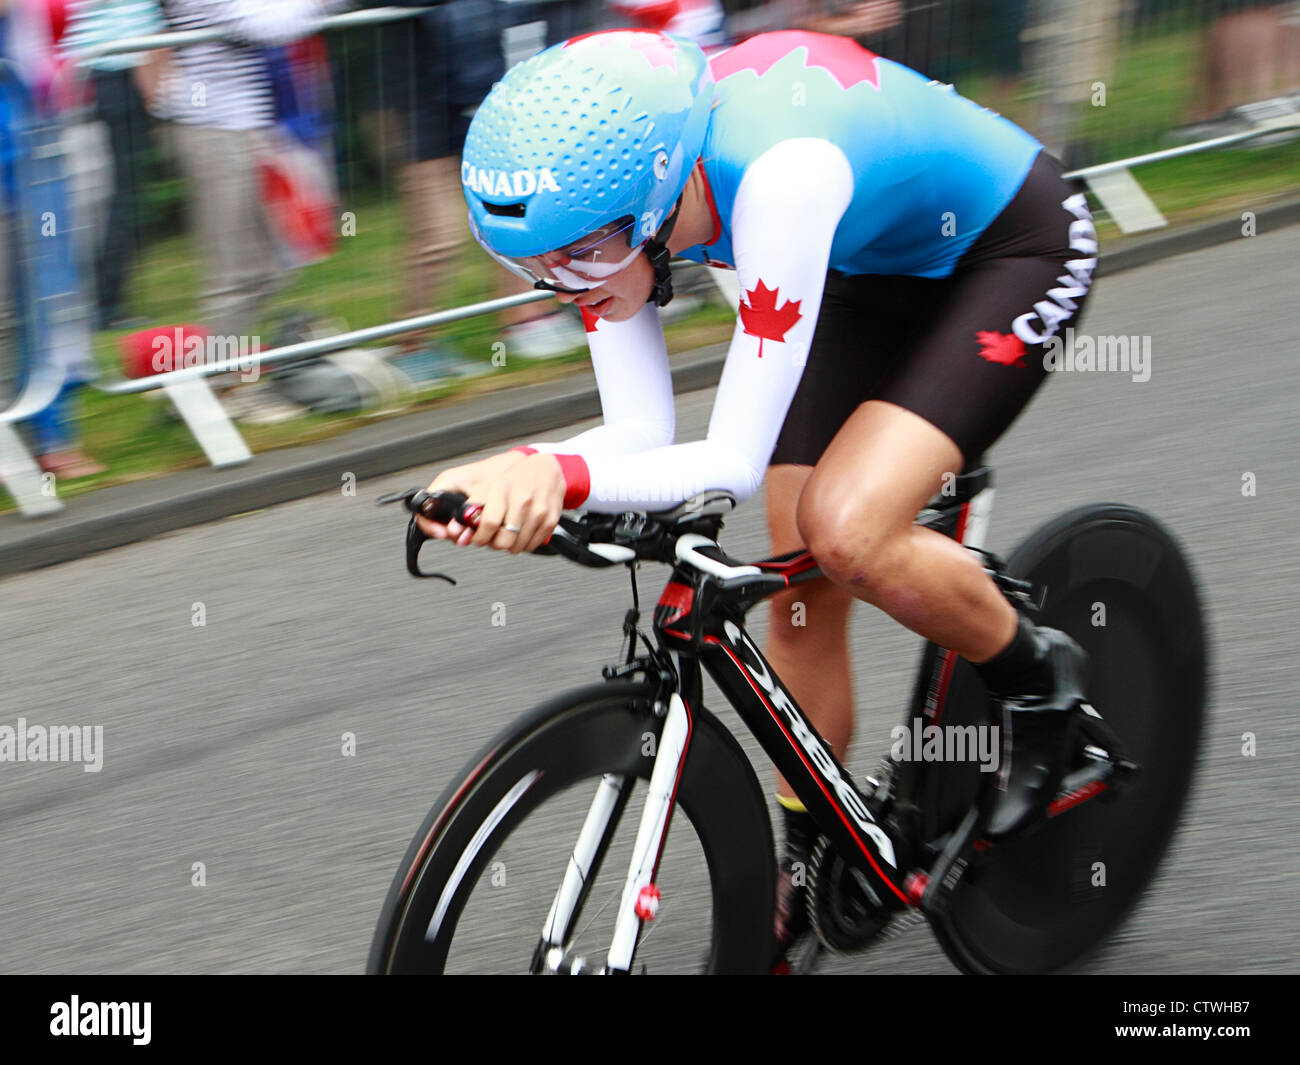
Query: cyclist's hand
(524,493)
(471,480)
(528,498)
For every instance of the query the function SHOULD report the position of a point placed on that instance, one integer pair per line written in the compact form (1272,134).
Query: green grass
(1198,186)
(1150,88)
(1149,91)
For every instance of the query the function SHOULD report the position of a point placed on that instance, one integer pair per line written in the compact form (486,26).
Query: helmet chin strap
(656,248)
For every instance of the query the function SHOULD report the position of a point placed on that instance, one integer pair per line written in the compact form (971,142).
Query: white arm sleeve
(636,388)
(787,208)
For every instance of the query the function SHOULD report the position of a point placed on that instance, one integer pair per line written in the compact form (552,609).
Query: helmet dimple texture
(575,132)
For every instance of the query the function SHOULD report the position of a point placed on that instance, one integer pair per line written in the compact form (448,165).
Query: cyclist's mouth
(601,306)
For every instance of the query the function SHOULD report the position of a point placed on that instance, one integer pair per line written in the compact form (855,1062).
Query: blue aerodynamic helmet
(591,140)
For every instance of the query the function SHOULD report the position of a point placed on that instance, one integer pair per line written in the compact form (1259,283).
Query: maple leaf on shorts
(1004,348)
(763,319)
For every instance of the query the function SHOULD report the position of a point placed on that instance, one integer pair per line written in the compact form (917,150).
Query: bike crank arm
(931,892)
(640,898)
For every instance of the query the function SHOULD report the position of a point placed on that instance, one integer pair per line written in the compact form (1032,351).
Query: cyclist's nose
(567,297)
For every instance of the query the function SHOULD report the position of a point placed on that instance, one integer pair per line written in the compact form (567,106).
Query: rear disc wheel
(1115,580)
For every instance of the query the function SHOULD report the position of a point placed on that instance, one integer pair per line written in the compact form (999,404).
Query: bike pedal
(1121,775)
(1095,732)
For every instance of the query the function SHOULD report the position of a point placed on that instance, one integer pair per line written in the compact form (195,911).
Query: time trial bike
(550,853)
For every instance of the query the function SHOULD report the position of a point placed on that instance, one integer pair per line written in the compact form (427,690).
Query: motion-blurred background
(187,179)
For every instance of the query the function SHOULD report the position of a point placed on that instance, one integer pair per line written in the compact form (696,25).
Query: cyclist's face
(620,296)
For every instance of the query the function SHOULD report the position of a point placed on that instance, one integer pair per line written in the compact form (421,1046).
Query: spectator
(443,64)
(858,19)
(219,98)
(47,330)
(702,21)
(118,104)
(945,39)
(1250,53)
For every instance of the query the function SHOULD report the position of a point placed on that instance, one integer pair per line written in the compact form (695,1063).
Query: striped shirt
(96,22)
(224,84)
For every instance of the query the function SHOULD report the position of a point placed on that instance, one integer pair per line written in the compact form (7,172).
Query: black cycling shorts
(964,352)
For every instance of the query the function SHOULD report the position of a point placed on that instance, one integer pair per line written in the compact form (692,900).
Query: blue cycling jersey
(931,169)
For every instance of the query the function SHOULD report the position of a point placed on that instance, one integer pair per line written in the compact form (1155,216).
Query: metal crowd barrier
(188,389)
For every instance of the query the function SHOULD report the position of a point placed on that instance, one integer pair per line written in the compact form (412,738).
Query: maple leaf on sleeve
(763,319)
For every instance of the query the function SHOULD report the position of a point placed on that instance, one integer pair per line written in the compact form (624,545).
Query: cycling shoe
(1038,732)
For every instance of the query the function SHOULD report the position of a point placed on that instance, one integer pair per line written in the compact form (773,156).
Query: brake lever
(415,500)
(398,497)
(427,504)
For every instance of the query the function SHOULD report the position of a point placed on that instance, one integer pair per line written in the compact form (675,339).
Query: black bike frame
(699,620)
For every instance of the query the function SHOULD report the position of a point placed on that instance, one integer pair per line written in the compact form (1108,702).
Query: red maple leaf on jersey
(1005,348)
(763,319)
(589,320)
(841,57)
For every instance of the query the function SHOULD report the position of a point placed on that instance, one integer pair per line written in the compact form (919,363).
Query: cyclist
(903,255)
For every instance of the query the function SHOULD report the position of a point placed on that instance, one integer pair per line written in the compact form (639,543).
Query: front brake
(417,501)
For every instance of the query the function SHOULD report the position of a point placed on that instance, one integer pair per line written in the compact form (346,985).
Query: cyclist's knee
(852,539)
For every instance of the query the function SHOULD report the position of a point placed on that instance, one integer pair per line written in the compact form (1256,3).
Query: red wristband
(577,480)
(525,449)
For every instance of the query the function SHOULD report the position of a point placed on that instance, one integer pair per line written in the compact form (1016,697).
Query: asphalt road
(222,741)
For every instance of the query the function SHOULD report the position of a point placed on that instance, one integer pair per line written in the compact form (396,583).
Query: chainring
(842,907)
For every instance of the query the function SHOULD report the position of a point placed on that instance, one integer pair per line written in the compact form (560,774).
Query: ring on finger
(511,528)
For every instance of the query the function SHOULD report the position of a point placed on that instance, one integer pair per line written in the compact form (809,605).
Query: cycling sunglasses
(585,264)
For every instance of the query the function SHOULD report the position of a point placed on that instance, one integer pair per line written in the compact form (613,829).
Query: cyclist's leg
(964,382)
(808,639)
(808,647)
(846,364)
(857,514)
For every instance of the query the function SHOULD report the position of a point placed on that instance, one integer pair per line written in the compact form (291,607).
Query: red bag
(299,199)
(162,349)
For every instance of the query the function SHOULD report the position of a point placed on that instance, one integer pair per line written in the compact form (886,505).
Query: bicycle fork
(640,898)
